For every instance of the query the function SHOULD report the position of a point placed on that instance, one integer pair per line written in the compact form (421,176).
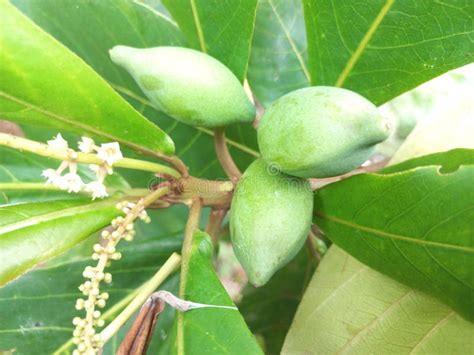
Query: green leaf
(220,28)
(211,330)
(278,58)
(384,48)
(449,161)
(108,23)
(31,233)
(37,309)
(413,225)
(350,308)
(269,309)
(45,84)
(99,23)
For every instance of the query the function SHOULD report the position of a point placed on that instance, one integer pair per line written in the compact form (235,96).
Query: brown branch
(224,156)
(212,193)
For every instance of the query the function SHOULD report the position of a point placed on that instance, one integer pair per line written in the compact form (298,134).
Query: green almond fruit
(188,85)
(270,219)
(320,132)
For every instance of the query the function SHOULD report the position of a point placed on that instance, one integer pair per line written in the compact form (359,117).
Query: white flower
(58,143)
(110,153)
(71,182)
(101,171)
(97,189)
(62,183)
(86,145)
(95,168)
(51,175)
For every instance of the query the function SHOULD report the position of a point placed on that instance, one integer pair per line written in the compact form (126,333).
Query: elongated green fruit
(320,132)
(269,220)
(188,85)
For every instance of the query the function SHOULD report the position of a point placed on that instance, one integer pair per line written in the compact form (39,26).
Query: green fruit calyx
(320,132)
(188,85)
(270,218)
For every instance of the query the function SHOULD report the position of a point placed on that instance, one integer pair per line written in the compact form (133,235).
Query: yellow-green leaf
(349,308)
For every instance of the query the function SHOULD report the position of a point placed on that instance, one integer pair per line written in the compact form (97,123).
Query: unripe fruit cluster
(312,132)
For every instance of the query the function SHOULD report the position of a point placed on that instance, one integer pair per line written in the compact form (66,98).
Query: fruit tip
(119,53)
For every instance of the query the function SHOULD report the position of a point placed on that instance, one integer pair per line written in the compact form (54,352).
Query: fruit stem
(192,224)
(214,224)
(224,156)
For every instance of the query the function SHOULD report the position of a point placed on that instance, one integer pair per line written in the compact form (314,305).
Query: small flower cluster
(108,153)
(87,340)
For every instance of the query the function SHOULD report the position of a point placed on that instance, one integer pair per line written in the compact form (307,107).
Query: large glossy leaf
(223,29)
(45,84)
(269,310)
(382,48)
(349,308)
(413,225)
(278,58)
(31,233)
(144,28)
(37,309)
(107,23)
(210,330)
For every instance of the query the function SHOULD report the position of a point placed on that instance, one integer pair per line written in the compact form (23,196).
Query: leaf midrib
(36,329)
(438,324)
(197,23)
(293,46)
(374,322)
(363,43)
(384,234)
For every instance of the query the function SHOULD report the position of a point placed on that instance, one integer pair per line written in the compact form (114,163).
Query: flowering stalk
(85,336)
(168,267)
(108,153)
(45,150)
